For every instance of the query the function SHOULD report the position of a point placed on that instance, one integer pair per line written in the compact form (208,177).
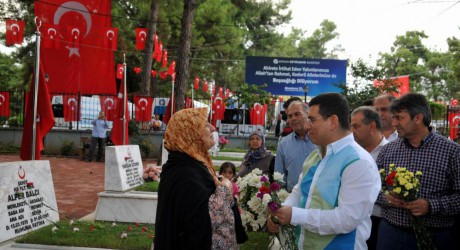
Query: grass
(150,186)
(226,158)
(104,235)
(93,234)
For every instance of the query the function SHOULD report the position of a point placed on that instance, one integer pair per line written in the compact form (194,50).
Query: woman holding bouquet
(257,157)
(194,207)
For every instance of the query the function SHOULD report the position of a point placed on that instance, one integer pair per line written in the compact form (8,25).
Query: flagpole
(192,96)
(124,99)
(37,72)
(173,77)
(210,113)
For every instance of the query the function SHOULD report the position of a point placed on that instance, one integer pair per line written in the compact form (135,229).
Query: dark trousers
(398,238)
(100,146)
(372,241)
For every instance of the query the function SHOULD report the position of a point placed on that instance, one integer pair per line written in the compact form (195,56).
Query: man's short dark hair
(368,102)
(333,104)
(414,104)
(288,102)
(369,115)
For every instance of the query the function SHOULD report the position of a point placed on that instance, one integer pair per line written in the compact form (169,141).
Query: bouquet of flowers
(404,185)
(223,141)
(151,173)
(256,195)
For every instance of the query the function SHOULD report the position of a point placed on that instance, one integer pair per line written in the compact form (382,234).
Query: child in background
(228,170)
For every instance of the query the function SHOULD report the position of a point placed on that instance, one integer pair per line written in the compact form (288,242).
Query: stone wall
(56,138)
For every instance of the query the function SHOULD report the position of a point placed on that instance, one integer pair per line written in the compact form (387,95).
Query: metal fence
(235,122)
(90,105)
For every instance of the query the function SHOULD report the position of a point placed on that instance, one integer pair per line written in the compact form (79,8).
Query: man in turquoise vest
(332,202)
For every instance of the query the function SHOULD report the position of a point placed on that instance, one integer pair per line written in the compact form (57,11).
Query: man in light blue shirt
(98,136)
(293,149)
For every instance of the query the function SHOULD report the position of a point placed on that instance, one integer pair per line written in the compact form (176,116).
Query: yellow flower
(409,186)
(402,181)
(381,171)
(418,173)
(397,190)
(406,193)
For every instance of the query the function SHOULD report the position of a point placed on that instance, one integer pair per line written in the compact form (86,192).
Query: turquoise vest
(324,196)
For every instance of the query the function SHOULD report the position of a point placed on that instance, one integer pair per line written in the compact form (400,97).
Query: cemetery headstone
(27,198)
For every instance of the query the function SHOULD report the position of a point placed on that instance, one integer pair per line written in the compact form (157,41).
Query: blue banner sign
(288,76)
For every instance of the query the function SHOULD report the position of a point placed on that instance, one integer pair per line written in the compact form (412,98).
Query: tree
(152,27)
(10,73)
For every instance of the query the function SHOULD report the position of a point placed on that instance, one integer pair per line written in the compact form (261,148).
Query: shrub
(67,148)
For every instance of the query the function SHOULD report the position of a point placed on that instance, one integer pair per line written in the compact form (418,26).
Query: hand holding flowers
(257,197)
(401,187)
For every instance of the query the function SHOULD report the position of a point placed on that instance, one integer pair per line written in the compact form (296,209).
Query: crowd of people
(330,163)
(330,159)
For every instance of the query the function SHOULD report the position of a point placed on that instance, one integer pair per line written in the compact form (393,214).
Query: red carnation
(390,179)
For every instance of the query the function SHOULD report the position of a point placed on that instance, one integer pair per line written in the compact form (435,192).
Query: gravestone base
(131,206)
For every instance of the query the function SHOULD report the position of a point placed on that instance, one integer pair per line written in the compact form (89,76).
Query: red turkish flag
(401,81)
(137,70)
(120,70)
(14,31)
(172,68)
(89,67)
(257,114)
(156,46)
(141,37)
(454,121)
(205,86)
(4,103)
(218,108)
(227,93)
(196,83)
(143,106)
(44,120)
(117,130)
(159,54)
(188,103)
(153,73)
(221,92)
(164,62)
(167,114)
(108,105)
(74,36)
(71,108)
(454,102)
(111,38)
(51,34)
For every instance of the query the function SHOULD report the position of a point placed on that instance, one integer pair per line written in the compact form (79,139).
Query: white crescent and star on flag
(77,7)
(142,100)
(15,31)
(73,102)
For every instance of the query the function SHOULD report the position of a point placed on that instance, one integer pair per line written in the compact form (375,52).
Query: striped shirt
(439,161)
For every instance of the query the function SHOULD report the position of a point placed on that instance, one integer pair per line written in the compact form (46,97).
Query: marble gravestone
(27,198)
(123,168)
(123,173)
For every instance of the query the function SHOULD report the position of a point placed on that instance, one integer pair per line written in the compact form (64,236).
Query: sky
(367,27)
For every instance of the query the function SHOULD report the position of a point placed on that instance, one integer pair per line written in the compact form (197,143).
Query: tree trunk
(182,64)
(152,27)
